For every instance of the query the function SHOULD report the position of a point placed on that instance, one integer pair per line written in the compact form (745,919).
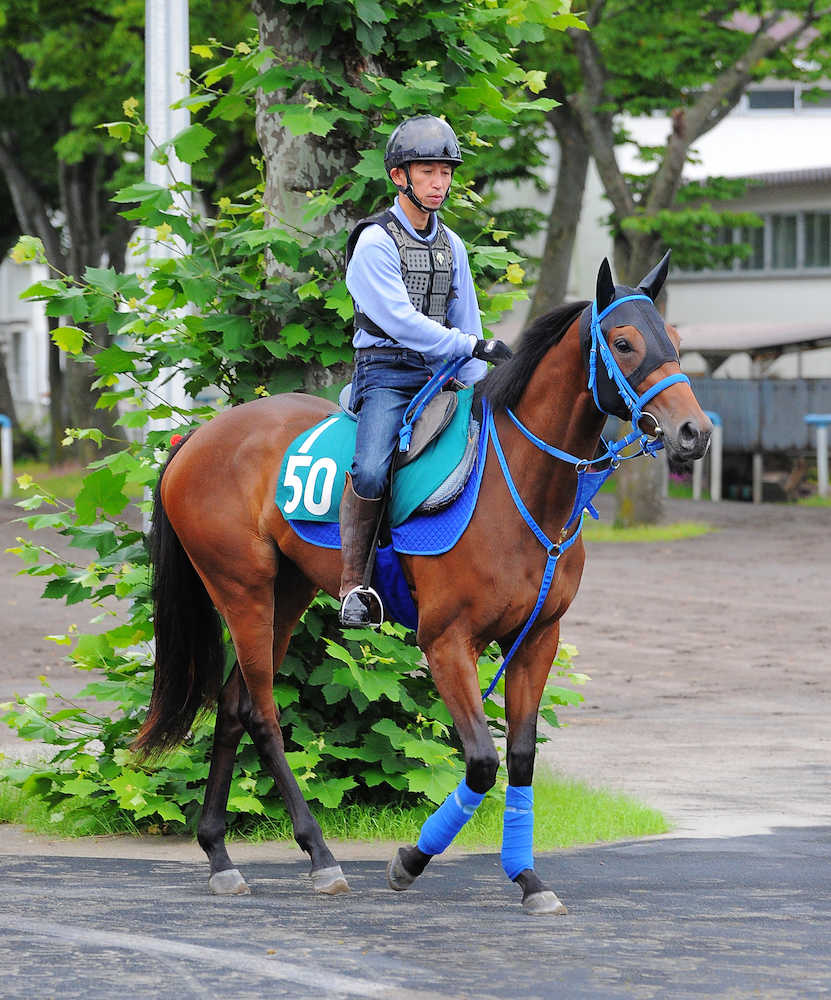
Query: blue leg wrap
(518,830)
(440,828)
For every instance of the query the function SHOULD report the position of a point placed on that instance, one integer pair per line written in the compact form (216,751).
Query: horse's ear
(654,281)
(605,293)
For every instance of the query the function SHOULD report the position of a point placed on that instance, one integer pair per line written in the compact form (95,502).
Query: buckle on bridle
(657,431)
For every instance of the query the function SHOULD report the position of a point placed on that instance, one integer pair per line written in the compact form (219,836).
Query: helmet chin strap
(409,193)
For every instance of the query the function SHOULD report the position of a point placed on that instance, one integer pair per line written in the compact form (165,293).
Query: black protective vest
(426,269)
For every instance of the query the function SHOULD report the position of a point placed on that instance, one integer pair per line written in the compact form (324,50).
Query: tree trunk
(295,165)
(639,492)
(565,213)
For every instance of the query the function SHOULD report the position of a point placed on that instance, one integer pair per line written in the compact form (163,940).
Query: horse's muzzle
(690,440)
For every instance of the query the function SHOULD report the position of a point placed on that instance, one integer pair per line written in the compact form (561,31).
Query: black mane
(504,384)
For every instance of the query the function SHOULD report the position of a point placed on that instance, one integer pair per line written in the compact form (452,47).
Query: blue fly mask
(618,305)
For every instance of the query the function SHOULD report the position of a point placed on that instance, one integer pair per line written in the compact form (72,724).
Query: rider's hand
(492,350)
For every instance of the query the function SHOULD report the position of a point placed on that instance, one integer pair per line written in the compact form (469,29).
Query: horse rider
(415,308)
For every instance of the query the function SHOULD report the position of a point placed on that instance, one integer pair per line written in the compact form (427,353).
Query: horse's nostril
(689,436)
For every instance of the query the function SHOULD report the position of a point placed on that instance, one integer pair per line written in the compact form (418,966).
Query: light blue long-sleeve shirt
(374,280)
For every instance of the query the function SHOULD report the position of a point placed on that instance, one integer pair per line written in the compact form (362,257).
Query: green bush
(360,715)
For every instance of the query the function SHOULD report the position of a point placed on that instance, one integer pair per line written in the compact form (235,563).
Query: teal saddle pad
(313,471)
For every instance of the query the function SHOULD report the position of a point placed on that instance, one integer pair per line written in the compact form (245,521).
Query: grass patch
(567,813)
(37,817)
(602,531)
(815,501)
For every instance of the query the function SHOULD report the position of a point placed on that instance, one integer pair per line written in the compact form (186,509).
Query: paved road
(737,917)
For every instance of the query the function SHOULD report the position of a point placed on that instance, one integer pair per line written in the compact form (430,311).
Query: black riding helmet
(422,139)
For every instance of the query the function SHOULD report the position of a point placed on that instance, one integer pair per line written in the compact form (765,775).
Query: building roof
(719,340)
(780,178)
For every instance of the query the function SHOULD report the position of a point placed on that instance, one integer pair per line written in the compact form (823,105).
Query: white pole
(166,65)
(166,68)
(715,455)
(822,459)
(716,451)
(758,472)
(6,456)
(697,477)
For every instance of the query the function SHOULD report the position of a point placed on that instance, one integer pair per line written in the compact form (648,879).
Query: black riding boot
(360,606)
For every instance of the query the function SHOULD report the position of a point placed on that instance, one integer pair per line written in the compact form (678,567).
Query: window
(818,239)
(783,242)
(755,236)
(799,98)
(814,97)
(792,241)
(766,100)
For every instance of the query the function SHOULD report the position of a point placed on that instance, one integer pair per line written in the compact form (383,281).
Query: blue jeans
(384,383)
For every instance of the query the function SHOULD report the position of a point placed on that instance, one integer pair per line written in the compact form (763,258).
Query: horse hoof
(398,877)
(544,903)
(329,881)
(229,883)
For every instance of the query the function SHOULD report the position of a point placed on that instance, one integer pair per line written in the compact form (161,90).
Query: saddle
(427,477)
(434,419)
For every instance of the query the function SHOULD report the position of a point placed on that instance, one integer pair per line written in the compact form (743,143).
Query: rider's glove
(492,350)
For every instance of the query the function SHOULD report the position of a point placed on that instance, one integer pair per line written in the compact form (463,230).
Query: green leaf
(190,144)
(101,490)
(114,360)
(435,783)
(28,249)
(245,804)
(151,195)
(340,300)
(169,811)
(69,339)
(133,418)
(370,11)
(300,119)
(80,786)
(330,793)
(92,651)
(294,334)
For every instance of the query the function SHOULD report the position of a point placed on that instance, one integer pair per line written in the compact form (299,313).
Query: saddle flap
(436,416)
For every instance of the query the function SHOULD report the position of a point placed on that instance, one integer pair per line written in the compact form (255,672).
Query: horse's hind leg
(294,592)
(247,702)
(233,704)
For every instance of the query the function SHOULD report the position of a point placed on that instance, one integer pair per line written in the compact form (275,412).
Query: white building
(24,342)
(777,304)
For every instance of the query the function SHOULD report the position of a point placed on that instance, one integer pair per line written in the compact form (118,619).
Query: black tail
(190,657)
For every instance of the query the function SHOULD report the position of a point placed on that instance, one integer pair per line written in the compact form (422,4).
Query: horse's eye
(622,345)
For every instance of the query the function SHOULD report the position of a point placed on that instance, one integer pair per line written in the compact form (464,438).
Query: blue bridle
(633,402)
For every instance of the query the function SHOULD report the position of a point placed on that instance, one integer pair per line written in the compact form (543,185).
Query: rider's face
(431,181)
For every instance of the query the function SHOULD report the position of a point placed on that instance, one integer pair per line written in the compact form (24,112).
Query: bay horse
(219,544)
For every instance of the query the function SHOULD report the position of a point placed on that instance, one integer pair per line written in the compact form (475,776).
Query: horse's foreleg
(524,685)
(453,666)
(233,702)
